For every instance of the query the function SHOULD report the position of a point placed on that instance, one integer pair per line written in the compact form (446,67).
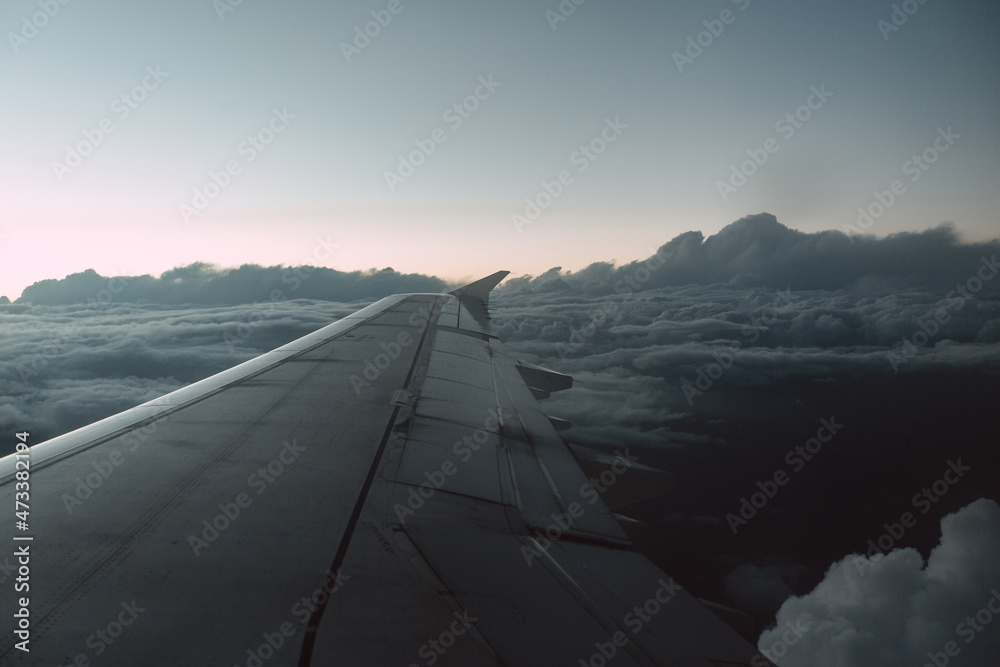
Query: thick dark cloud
(714,359)
(898,609)
(758,251)
(202,283)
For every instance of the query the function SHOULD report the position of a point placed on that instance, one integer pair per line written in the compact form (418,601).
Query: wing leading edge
(386,490)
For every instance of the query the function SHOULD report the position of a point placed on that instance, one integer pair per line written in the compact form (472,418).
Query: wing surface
(386,490)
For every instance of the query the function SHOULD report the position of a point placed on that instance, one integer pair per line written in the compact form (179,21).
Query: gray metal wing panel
(220,521)
(454,457)
(528,614)
(454,391)
(462,344)
(449,314)
(456,368)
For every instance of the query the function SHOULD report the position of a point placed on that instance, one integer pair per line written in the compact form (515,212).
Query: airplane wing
(384,491)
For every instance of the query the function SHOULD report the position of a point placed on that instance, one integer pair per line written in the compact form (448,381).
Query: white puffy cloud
(898,610)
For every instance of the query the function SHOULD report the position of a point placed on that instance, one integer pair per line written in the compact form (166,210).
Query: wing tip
(480,289)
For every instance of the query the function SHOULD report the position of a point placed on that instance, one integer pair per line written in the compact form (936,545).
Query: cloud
(758,251)
(899,610)
(202,283)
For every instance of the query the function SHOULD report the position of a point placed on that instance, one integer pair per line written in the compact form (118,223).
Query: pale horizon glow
(335,128)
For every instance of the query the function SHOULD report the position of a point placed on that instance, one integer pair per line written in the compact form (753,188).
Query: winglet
(480,290)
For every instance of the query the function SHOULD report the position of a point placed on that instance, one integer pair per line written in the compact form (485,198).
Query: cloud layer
(759,251)
(714,358)
(202,283)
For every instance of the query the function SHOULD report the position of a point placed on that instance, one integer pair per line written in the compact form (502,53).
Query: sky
(144,136)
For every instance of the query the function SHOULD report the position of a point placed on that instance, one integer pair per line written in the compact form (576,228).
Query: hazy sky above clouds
(199,81)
